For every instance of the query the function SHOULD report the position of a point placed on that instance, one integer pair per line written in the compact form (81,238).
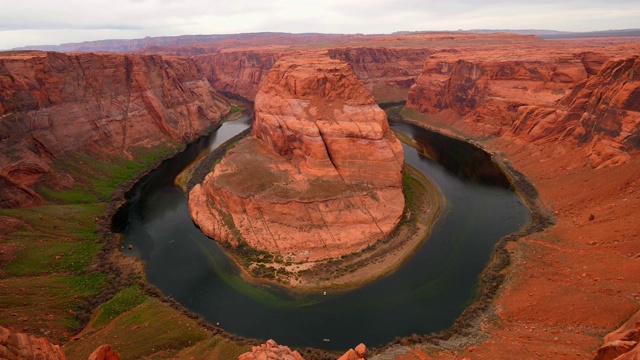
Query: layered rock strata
(22,346)
(593,106)
(387,73)
(53,103)
(321,176)
(238,72)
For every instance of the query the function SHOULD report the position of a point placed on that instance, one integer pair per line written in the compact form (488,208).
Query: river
(425,295)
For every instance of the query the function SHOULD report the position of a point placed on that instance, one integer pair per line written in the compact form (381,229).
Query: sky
(50,22)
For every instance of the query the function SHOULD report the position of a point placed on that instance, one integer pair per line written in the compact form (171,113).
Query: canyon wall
(386,72)
(321,176)
(577,98)
(52,103)
(238,72)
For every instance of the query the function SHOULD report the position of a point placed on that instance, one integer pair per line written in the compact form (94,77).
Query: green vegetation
(44,304)
(236,109)
(213,348)
(414,191)
(52,239)
(124,301)
(150,327)
(48,254)
(98,177)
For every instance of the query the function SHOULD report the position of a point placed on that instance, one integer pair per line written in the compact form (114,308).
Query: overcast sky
(40,22)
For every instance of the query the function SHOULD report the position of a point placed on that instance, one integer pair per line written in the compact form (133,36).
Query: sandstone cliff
(482,92)
(601,115)
(547,100)
(238,72)
(386,72)
(22,346)
(53,103)
(319,178)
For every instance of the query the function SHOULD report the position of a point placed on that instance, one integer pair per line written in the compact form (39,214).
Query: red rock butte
(321,176)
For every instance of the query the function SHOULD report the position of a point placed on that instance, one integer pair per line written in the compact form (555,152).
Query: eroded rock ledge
(321,176)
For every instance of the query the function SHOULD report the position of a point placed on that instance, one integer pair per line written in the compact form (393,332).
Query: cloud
(24,22)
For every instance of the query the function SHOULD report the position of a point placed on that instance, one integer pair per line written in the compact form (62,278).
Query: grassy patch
(75,195)
(45,281)
(54,239)
(97,177)
(213,348)
(44,305)
(236,109)
(149,328)
(124,301)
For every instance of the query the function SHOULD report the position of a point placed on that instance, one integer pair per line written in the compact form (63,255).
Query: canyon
(54,104)
(320,178)
(565,113)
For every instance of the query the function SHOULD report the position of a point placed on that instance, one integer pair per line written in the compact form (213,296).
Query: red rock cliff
(22,346)
(482,92)
(320,178)
(601,115)
(386,72)
(547,100)
(238,72)
(52,103)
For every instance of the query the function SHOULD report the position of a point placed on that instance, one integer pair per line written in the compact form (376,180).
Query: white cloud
(30,22)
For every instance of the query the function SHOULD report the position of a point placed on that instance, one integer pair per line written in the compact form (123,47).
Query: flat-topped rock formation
(321,176)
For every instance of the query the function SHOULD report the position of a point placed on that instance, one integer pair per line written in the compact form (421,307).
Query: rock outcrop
(53,103)
(271,350)
(359,353)
(15,346)
(321,176)
(622,343)
(104,352)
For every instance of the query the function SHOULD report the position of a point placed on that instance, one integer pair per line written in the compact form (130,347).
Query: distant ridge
(553,34)
(545,34)
(281,38)
(131,45)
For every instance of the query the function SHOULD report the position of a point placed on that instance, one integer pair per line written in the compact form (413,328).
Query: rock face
(22,346)
(601,114)
(622,343)
(386,72)
(53,103)
(104,352)
(238,72)
(487,91)
(321,176)
(271,350)
(547,101)
(359,353)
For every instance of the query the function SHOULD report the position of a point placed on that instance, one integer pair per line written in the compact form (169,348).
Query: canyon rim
(564,113)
